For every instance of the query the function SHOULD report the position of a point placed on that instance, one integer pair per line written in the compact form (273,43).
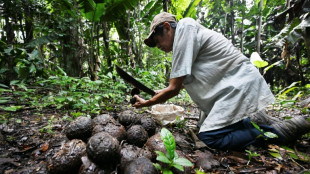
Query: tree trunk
(121,27)
(8,25)
(28,21)
(130,44)
(242,26)
(10,38)
(70,53)
(301,75)
(232,22)
(71,59)
(259,26)
(106,30)
(306,36)
(165,7)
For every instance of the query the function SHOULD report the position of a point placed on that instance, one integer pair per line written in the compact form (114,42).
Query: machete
(134,82)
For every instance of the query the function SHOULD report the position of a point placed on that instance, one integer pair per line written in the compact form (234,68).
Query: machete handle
(133,100)
(135,91)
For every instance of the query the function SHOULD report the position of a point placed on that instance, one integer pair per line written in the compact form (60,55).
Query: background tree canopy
(75,44)
(57,60)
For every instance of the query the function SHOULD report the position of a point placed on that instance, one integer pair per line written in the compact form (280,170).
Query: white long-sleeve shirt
(219,78)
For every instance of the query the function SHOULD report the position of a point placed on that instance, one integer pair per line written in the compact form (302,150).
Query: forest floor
(30,137)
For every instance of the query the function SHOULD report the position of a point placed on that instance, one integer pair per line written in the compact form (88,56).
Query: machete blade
(133,81)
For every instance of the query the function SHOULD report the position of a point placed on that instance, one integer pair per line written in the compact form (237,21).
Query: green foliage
(191,9)
(180,123)
(65,92)
(44,56)
(260,63)
(266,134)
(285,152)
(150,10)
(199,172)
(26,65)
(83,94)
(288,89)
(12,108)
(171,158)
(42,40)
(179,7)
(251,155)
(93,10)
(294,30)
(48,127)
(4,118)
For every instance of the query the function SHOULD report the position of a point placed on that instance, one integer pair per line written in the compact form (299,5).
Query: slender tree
(259,30)
(242,25)
(232,14)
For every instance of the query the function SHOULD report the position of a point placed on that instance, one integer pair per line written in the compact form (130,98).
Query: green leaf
(12,108)
(287,30)
(116,9)
(94,15)
(256,126)
(163,159)
(272,65)
(3,85)
(61,70)
(8,50)
(176,156)
(270,135)
(32,68)
(4,101)
(260,64)
(178,167)
(160,153)
(199,172)
(2,70)
(87,5)
(183,162)
(157,166)
(276,155)
(166,171)
(156,8)
(293,155)
(191,9)
(169,142)
(14,82)
(148,7)
(42,40)
(60,99)
(18,120)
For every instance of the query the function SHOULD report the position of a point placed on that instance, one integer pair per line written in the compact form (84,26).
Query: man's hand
(175,85)
(140,102)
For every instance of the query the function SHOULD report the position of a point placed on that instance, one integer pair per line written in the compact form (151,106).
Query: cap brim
(149,41)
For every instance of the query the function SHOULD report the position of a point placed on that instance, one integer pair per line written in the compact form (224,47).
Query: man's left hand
(140,102)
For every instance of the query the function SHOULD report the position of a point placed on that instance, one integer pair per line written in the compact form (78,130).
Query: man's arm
(175,85)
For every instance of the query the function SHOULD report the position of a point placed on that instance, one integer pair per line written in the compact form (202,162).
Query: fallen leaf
(238,159)
(279,167)
(44,147)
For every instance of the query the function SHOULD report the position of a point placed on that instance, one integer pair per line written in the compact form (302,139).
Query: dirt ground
(30,137)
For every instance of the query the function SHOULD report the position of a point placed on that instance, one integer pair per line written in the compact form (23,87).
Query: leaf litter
(30,138)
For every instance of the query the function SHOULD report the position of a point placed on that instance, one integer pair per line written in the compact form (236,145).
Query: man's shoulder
(187,21)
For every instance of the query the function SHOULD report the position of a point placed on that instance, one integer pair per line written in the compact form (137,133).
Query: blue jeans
(236,136)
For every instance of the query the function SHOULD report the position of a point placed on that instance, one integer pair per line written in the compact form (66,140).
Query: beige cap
(158,19)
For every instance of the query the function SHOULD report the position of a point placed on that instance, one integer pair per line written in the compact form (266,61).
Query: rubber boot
(202,117)
(292,129)
(262,118)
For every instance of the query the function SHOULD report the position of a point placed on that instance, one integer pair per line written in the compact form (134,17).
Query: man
(221,81)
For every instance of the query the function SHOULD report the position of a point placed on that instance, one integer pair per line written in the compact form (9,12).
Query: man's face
(165,42)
